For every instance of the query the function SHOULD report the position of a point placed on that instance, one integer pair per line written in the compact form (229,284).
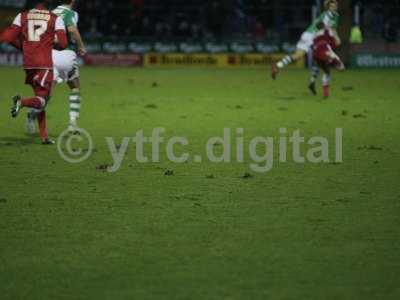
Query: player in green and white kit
(329,17)
(66,67)
(65,62)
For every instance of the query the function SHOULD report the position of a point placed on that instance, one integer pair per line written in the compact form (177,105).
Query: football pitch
(192,230)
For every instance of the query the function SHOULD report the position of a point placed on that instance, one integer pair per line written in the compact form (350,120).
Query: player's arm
(335,32)
(12,34)
(336,36)
(71,23)
(331,21)
(74,31)
(61,41)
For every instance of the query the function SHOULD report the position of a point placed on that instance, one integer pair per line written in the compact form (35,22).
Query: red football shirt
(324,41)
(38,33)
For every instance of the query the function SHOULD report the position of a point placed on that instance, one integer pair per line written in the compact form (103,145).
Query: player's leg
(333,61)
(59,76)
(303,46)
(326,79)
(42,124)
(33,78)
(37,106)
(41,82)
(314,76)
(45,93)
(74,103)
(30,125)
(16,106)
(44,135)
(336,62)
(36,102)
(286,61)
(67,69)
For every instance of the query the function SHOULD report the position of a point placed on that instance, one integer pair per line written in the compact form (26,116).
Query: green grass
(325,231)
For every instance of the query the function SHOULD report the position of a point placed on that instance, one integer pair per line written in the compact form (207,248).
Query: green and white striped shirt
(329,18)
(70,18)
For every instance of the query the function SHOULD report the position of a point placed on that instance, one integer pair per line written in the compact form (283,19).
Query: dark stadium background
(219,19)
(231,26)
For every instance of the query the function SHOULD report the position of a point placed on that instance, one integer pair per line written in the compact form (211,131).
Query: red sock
(326,91)
(34,102)
(42,126)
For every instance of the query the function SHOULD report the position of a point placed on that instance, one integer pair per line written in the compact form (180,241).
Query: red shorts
(41,81)
(326,57)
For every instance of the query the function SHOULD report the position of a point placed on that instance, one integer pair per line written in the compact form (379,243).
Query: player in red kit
(36,32)
(325,58)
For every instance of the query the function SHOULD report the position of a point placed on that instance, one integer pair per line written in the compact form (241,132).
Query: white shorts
(66,66)
(306,41)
